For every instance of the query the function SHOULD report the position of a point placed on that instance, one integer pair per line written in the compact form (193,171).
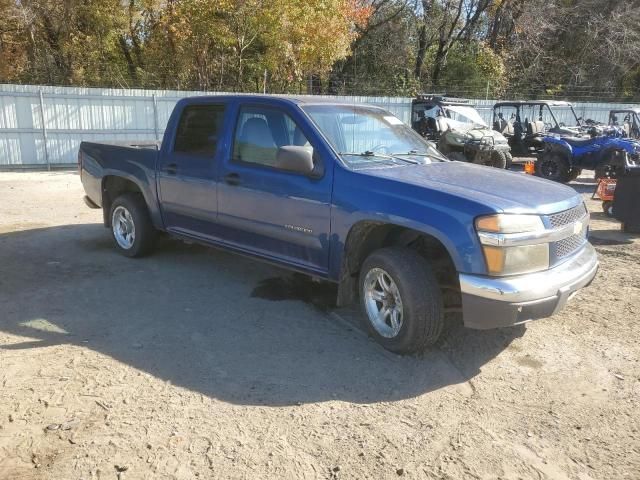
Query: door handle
(232,179)
(171,169)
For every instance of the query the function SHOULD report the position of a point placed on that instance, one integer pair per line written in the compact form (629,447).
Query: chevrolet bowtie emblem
(577,228)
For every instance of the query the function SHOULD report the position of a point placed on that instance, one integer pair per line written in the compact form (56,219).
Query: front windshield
(565,115)
(463,117)
(370,133)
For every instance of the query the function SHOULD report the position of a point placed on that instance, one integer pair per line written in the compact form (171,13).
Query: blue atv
(563,159)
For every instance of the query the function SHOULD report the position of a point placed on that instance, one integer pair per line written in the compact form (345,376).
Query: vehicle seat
(256,143)
(508,129)
(578,142)
(627,128)
(535,128)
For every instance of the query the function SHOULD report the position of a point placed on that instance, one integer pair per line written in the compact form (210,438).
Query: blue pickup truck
(349,194)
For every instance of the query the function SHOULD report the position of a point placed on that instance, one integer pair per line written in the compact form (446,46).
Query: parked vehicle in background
(563,158)
(525,123)
(349,194)
(459,131)
(628,119)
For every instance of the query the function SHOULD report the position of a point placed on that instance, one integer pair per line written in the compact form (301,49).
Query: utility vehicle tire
(401,300)
(497,160)
(613,165)
(574,173)
(553,166)
(131,227)
(509,160)
(607,208)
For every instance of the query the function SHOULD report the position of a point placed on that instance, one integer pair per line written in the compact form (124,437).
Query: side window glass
(260,132)
(198,130)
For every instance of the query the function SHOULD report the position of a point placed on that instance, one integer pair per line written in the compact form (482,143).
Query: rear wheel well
(112,188)
(366,237)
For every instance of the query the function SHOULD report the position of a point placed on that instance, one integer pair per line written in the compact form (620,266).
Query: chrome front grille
(568,216)
(567,246)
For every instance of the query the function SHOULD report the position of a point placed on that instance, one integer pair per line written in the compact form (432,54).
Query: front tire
(553,166)
(401,300)
(497,159)
(131,227)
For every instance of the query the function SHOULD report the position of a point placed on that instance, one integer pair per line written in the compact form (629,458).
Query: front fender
(555,143)
(448,218)
(444,237)
(624,145)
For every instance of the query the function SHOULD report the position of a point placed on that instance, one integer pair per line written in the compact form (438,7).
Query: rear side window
(198,129)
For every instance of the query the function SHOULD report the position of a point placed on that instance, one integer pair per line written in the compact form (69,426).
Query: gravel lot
(195,363)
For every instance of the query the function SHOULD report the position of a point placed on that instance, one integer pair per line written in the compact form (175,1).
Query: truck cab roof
(275,99)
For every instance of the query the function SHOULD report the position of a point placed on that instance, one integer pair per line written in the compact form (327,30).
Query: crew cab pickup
(349,194)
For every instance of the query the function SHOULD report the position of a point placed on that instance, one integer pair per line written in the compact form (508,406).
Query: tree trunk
(422,50)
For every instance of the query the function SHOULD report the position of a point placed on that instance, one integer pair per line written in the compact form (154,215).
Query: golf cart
(628,119)
(525,123)
(459,131)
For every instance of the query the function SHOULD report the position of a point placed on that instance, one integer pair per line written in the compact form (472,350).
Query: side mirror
(296,159)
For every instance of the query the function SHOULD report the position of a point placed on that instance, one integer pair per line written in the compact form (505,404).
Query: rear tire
(553,166)
(131,227)
(411,289)
(574,173)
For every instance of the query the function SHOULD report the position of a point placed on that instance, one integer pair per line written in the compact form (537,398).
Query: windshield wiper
(369,153)
(366,153)
(413,153)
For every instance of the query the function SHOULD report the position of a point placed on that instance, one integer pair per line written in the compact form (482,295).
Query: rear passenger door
(187,171)
(275,213)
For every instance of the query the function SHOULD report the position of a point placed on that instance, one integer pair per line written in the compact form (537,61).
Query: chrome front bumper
(490,302)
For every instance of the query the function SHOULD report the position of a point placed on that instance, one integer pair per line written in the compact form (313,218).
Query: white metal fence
(43,126)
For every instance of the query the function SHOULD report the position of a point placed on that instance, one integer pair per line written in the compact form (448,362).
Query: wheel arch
(112,187)
(366,236)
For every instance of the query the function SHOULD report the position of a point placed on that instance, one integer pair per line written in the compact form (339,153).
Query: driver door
(268,211)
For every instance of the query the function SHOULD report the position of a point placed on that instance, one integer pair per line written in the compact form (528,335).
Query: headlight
(506,223)
(516,260)
(501,235)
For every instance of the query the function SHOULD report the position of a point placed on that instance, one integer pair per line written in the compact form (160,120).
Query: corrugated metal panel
(73,114)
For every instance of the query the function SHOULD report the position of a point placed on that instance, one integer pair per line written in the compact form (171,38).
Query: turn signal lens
(508,223)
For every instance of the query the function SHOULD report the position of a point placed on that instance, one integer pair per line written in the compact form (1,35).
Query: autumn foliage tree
(580,49)
(183,44)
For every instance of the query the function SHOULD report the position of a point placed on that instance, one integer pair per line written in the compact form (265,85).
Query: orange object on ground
(605,189)
(530,168)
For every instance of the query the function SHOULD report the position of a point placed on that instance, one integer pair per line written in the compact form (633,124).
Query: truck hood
(500,190)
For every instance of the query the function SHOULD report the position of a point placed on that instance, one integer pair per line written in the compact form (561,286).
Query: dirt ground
(195,363)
